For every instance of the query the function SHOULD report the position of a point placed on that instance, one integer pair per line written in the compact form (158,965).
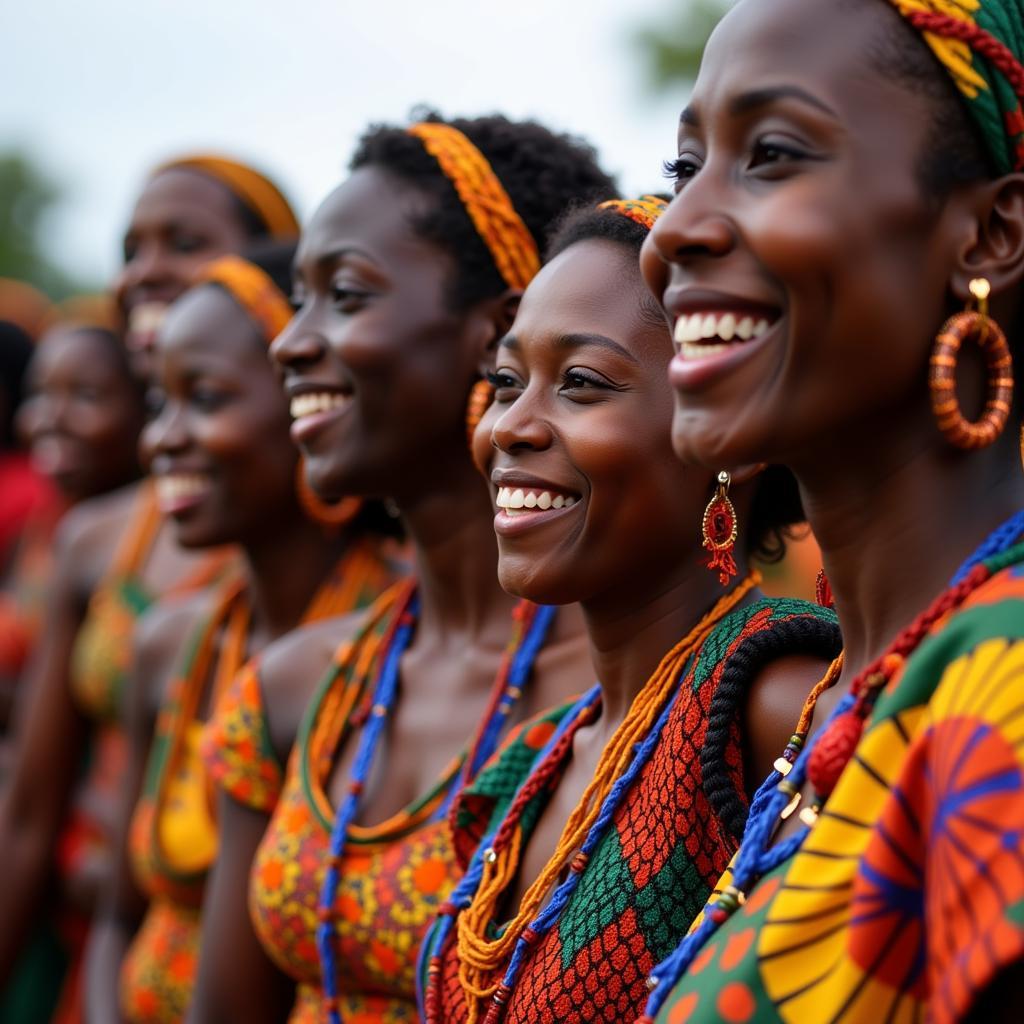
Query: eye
(681,169)
(506,385)
(186,242)
(581,382)
(207,398)
(155,400)
(770,151)
(130,250)
(346,297)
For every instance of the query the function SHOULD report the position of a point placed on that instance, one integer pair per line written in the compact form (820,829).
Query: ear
(996,250)
(495,317)
(744,474)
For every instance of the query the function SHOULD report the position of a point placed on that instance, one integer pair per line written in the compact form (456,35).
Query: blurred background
(93,95)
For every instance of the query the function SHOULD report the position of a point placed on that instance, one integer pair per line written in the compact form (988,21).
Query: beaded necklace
(621,762)
(531,624)
(823,761)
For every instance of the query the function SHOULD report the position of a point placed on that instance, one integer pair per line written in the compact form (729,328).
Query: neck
(456,559)
(897,521)
(632,628)
(284,571)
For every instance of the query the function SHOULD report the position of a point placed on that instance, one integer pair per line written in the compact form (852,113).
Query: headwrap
(97,312)
(253,290)
(258,193)
(502,230)
(645,210)
(26,308)
(981,44)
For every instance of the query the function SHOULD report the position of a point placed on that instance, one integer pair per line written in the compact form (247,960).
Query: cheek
(481,448)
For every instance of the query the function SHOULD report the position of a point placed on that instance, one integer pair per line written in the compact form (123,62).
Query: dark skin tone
(583,407)
(49,727)
(223,420)
(374,326)
(859,290)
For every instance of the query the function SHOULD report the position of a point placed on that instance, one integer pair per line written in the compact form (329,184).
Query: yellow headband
(257,192)
(508,239)
(645,210)
(253,290)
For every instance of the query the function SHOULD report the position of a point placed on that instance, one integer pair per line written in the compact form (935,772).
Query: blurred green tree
(26,195)
(672,48)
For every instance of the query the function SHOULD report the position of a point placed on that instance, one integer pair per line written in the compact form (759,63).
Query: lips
(314,408)
(178,492)
(144,321)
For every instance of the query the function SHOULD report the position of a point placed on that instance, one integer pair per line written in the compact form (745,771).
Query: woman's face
(803,268)
(376,366)
(590,500)
(82,414)
(219,450)
(181,221)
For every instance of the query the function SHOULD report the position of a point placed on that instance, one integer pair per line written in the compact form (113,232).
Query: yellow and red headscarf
(253,290)
(644,211)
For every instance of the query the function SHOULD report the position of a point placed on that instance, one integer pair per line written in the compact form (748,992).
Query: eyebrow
(574,341)
(757,98)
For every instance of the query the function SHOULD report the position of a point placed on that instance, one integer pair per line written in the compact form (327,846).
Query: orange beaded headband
(488,204)
(253,290)
(645,210)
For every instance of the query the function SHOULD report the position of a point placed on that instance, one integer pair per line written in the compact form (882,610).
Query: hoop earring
(479,399)
(974,324)
(333,517)
(718,530)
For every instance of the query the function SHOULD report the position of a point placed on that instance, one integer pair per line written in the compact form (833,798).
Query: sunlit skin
(374,330)
(582,407)
(82,413)
(222,420)
(798,163)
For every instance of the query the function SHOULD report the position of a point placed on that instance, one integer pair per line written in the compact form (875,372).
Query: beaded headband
(645,210)
(257,192)
(253,290)
(980,43)
(502,230)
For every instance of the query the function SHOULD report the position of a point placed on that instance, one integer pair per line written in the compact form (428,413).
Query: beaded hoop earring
(718,531)
(479,399)
(331,516)
(974,324)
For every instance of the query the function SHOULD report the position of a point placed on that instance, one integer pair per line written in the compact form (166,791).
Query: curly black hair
(776,505)
(542,172)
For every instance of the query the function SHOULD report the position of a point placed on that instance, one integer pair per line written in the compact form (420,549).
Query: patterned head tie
(255,191)
(645,210)
(981,44)
(253,290)
(502,230)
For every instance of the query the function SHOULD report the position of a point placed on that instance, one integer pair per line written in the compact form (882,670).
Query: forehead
(179,194)
(208,325)
(65,347)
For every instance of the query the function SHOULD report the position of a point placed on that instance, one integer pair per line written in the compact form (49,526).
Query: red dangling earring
(823,591)
(718,530)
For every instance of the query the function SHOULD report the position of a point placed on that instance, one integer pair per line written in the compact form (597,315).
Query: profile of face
(803,265)
(82,413)
(218,449)
(376,365)
(181,221)
(590,501)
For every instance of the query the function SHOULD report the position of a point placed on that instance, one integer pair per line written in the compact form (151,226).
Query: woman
(225,471)
(642,787)
(112,558)
(852,171)
(407,273)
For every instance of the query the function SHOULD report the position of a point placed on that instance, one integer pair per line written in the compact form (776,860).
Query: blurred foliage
(26,196)
(672,48)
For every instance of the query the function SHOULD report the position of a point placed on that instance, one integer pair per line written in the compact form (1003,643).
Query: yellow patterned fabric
(253,290)
(645,210)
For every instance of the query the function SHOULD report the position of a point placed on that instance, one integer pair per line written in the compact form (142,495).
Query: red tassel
(718,531)
(823,591)
(833,752)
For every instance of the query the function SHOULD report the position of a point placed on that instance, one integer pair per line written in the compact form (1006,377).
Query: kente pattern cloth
(993,99)
(653,870)
(907,897)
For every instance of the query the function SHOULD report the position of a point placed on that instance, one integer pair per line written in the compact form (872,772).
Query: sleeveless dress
(907,897)
(669,840)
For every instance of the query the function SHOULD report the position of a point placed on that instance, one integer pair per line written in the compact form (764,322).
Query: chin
(535,583)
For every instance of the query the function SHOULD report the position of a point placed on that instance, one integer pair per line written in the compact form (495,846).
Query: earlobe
(996,251)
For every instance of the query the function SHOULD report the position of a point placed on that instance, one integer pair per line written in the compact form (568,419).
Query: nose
(521,426)
(165,434)
(298,345)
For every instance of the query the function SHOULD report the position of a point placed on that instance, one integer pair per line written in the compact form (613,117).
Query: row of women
(426,674)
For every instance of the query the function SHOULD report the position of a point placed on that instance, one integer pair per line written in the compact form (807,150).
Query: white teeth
(518,499)
(147,317)
(727,326)
(691,351)
(308,404)
(173,486)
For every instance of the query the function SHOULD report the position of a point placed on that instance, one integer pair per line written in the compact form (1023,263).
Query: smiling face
(219,449)
(376,365)
(802,264)
(83,412)
(181,221)
(590,500)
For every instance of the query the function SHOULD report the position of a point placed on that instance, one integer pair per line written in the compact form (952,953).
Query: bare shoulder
(292,668)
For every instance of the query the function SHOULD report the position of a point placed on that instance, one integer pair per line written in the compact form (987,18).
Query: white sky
(99,90)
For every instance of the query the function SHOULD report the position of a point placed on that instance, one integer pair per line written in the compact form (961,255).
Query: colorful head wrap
(645,210)
(253,290)
(26,308)
(981,44)
(90,311)
(507,238)
(258,193)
